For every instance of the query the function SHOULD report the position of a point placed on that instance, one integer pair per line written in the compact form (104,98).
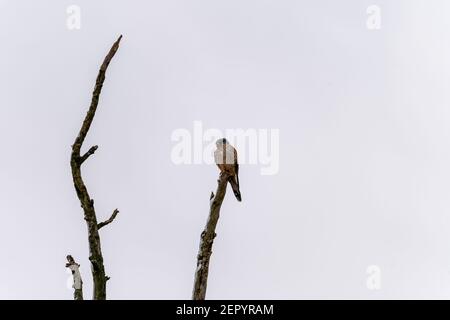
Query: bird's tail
(234,182)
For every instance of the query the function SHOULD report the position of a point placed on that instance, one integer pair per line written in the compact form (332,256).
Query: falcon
(225,157)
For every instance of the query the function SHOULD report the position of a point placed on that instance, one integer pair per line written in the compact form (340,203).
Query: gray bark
(207,239)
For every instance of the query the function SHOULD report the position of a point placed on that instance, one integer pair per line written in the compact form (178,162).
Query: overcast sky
(364,160)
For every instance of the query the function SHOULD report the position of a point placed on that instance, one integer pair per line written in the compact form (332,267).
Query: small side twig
(90,152)
(111,219)
(87,203)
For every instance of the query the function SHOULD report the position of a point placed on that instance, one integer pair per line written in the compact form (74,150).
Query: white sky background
(364,125)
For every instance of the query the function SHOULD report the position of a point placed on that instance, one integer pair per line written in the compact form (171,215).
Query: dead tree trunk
(207,239)
(77,281)
(87,203)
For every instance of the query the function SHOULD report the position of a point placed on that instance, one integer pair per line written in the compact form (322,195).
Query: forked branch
(95,252)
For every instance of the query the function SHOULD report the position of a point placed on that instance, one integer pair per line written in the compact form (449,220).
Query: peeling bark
(87,203)
(207,239)
(77,281)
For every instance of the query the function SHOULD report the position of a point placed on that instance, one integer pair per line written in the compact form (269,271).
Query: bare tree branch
(77,281)
(95,98)
(95,252)
(90,152)
(111,219)
(207,239)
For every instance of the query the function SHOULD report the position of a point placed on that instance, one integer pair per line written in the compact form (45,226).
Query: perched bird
(226,159)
